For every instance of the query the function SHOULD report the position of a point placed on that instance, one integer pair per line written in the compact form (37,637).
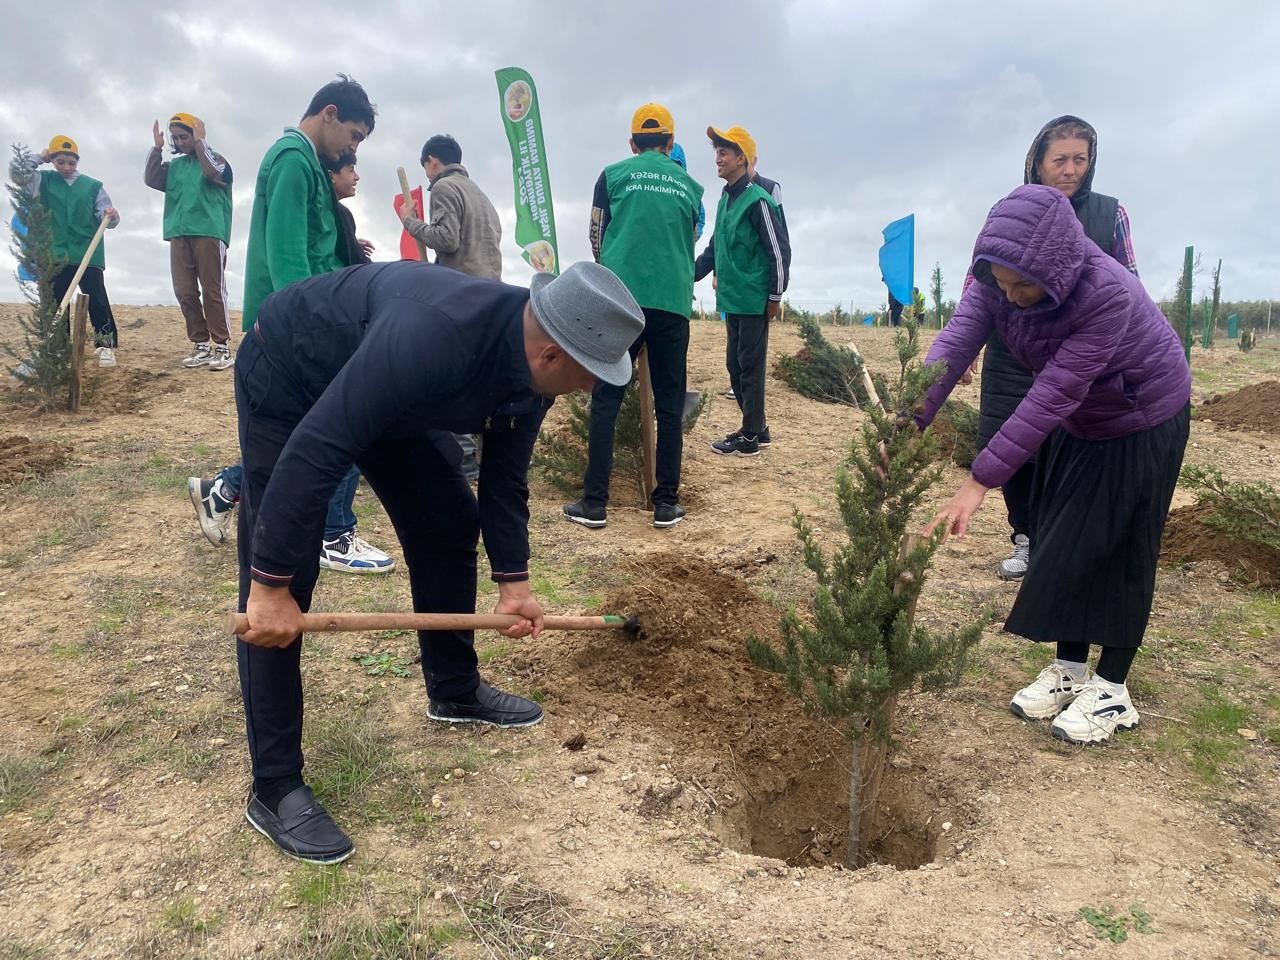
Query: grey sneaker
(1014,566)
(222,357)
(201,355)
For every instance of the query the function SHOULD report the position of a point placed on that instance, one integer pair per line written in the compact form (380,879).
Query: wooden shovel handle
(238,623)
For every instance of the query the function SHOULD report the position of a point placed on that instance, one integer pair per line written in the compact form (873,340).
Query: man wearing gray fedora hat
(374,366)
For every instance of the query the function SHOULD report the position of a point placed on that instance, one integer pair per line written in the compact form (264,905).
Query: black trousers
(1017,491)
(419,481)
(667,337)
(745,356)
(93,284)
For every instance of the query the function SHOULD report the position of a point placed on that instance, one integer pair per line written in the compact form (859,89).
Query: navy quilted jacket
(1107,362)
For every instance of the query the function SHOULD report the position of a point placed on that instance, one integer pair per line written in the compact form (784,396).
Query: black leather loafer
(302,829)
(489,706)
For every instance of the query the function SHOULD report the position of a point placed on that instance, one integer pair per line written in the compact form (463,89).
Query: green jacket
(73,209)
(292,231)
(651,206)
(750,251)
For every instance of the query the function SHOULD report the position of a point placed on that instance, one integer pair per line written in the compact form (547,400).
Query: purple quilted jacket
(1107,363)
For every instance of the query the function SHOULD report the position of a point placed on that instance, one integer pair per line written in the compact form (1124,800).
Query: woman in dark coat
(1106,418)
(1064,155)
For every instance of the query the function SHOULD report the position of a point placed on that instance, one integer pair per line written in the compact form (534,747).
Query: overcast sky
(864,112)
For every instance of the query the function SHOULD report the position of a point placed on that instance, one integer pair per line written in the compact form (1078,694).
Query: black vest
(1097,214)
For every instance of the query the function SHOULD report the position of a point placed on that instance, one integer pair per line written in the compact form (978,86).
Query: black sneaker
(762,437)
(302,829)
(737,445)
(489,706)
(579,512)
(667,514)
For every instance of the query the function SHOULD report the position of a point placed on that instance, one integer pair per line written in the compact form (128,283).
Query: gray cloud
(864,113)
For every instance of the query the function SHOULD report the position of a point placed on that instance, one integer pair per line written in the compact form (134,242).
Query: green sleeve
(287,215)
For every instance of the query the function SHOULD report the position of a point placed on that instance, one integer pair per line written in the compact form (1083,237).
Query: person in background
(77,204)
(1063,155)
(196,185)
(644,213)
(751,257)
(293,235)
(1106,418)
(343,176)
(464,231)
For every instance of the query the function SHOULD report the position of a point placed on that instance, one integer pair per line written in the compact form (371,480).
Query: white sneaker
(213,507)
(202,354)
(353,554)
(1095,714)
(106,357)
(222,358)
(1046,695)
(1014,566)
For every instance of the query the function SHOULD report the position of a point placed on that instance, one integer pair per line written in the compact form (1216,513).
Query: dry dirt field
(701,812)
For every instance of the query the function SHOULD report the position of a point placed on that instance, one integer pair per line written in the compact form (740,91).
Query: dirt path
(702,811)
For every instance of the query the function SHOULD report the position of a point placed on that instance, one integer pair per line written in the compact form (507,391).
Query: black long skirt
(1097,515)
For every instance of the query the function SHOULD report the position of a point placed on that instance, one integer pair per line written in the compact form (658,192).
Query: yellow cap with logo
(187,120)
(63,144)
(738,137)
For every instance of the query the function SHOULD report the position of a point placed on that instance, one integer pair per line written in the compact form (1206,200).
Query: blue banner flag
(898,258)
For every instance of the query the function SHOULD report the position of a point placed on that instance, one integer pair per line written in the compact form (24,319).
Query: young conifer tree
(861,648)
(44,363)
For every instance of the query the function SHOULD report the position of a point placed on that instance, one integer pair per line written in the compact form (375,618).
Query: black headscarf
(1031,172)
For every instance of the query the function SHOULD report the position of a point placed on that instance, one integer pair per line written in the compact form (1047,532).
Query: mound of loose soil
(735,730)
(1255,407)
(120,391)
(1188,537)
(22,458)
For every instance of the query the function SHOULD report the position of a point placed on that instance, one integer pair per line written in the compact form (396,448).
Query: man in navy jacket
(372,366)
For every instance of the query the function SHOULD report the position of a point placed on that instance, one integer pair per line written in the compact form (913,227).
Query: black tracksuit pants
(93,284)
(667,337)
(419,481)
(745,356)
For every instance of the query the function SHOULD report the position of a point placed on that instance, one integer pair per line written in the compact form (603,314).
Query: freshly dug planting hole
(779,776)
(22,458)
(1188,537)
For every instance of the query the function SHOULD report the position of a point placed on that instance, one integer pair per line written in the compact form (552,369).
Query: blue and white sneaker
(213,507)
(1047,694)
(1096,713)
(351,553)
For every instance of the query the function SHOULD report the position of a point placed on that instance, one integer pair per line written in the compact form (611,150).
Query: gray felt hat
(590,313)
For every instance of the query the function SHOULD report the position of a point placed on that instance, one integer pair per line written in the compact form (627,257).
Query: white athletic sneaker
(1046,695)
(202,354)
(353,554)
(106,357)
(1095,714)
(222,358)
(1014,566)
(213,508)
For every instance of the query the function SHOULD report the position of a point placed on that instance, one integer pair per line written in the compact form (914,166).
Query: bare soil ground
(675,802)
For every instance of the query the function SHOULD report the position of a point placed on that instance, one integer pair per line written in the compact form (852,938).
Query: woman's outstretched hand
(955,513)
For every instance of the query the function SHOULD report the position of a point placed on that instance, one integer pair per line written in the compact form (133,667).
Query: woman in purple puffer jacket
(1111,406)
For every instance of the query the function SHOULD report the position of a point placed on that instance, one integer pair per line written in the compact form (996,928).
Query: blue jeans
(340,518)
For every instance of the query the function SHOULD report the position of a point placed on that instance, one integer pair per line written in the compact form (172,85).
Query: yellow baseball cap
(653,118)
(187,120)
(63,144)
(738,137)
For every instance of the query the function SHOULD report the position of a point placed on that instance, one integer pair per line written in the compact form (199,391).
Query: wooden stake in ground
(872,396)
(648,431)
(84,265)
(408,199)
(78,336)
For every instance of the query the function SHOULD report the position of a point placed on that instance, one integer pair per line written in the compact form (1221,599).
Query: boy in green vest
(76,205)
(751,256)
(643,220)
(196,185)
(293,235)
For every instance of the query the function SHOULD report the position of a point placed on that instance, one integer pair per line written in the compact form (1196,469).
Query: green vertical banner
(535,218)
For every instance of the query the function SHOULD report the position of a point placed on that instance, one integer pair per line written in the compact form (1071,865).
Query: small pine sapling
(862,648)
